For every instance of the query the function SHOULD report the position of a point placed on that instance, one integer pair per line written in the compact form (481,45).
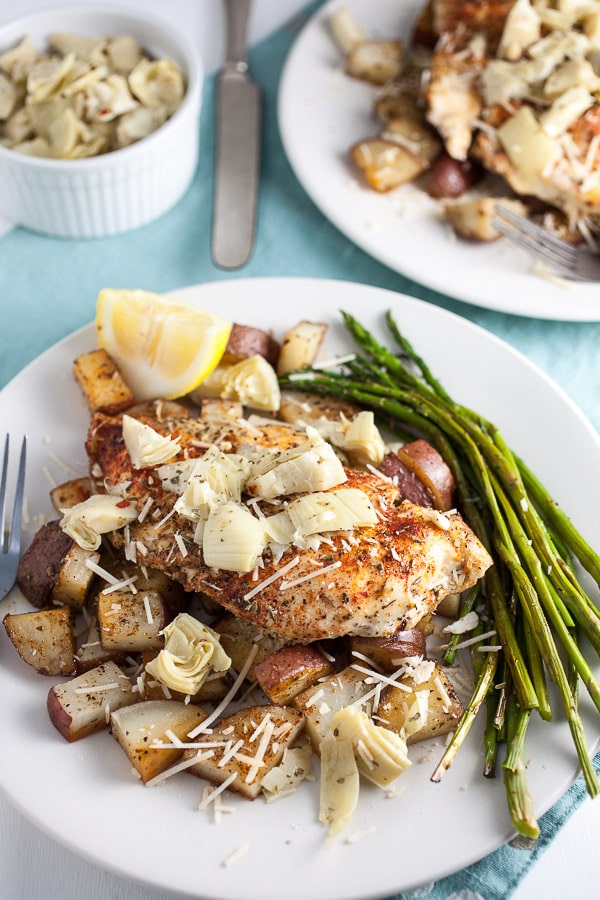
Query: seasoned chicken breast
(372,580)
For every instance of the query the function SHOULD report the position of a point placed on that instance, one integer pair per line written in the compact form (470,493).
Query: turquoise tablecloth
(48,288)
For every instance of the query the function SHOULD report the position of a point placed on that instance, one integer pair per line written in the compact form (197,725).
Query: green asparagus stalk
(519,798)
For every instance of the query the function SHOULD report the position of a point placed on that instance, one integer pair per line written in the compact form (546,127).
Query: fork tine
(533,247)
(14,540)
(527,228)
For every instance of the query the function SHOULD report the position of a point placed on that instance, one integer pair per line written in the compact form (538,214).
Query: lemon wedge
(163,347)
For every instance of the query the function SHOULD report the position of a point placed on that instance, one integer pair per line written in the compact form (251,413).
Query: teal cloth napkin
(48,288)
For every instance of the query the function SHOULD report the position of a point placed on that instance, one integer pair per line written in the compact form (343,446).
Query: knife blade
(237,148)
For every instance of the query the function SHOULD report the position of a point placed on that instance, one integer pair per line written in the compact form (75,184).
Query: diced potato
(288,671)
(83,705)
(263,733)
(74,577)
(320,703)
(40,564)
(137,728)
(128,623)
(444,706)
(432,470)
(300,346)
(415,134)
(345,30)
(376,61)
(147,580)
(101,383)
(44,639)
(245,341)
(385,164)
(472,219)
(238,637)
(385,652)
(90,652)
(70,493)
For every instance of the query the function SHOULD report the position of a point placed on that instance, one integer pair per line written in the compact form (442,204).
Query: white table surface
(35,867)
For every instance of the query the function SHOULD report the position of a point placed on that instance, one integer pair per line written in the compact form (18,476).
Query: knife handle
(237,13)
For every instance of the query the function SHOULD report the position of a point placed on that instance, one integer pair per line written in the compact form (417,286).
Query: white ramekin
(118,191)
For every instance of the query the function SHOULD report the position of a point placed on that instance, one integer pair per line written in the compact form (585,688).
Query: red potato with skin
(386,651)
(82,706)
(409,485)
(450,177)
(290,670)
(432,471)
(245,342)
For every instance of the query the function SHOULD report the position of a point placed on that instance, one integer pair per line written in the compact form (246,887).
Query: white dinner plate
(84,794)
(323,112)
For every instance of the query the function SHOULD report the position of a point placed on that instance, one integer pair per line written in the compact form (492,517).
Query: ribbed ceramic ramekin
(115,192)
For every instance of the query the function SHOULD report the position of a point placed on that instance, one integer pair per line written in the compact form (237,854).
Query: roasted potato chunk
(70,493)
(132,622)
(320,702)
(245,341)
(44,639)
(288,671)
(386,652)
(101,383)
(375,61)
(238,638)
(444,707)
(415,134)
(141,727)
(300,346)
(261,735)
(472,219)
(386,165)
(83,705)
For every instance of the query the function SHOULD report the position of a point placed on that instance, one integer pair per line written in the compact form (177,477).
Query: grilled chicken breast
(373,580)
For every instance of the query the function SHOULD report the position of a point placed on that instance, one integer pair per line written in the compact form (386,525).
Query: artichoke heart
(311,467)
(340,510)
(233,539)
(252,381)
(97,515)
(363,442)
(340,783)
(191,652)
(216,477)
(145,446)
(381,754)
(279,528)
(565,110)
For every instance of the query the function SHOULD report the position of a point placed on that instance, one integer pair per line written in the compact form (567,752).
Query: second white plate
(322,112)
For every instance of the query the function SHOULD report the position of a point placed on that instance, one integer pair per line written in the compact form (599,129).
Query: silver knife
(238,147)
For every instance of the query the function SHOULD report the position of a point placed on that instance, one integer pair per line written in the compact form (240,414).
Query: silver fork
(10,544)
(572,262)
